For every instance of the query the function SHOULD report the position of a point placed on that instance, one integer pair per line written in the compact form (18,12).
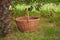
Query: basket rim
(34,18)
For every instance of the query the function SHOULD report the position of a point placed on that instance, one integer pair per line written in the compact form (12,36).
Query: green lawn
(49,29)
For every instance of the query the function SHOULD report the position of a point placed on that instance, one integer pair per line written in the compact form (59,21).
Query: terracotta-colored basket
(27,25)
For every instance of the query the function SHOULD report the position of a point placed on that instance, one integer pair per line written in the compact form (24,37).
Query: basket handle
(27,14)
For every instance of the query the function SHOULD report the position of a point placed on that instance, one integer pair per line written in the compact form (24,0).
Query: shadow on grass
(1,36)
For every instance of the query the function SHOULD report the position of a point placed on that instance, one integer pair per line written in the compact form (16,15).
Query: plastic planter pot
(25,25)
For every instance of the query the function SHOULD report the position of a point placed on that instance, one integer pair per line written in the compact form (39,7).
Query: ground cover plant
(5,16)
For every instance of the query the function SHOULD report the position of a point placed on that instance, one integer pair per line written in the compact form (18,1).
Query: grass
(48,29)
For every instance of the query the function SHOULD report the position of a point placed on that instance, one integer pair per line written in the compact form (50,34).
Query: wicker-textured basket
(27,25)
